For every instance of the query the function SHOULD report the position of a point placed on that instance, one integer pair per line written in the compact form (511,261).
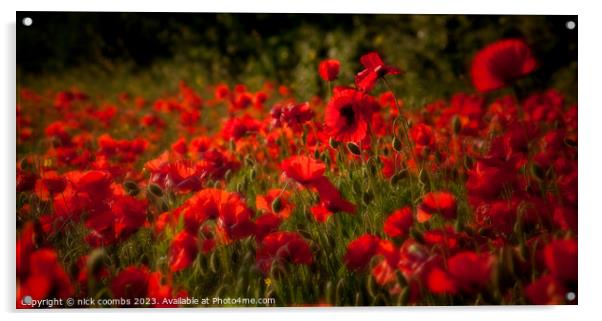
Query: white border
(590,160)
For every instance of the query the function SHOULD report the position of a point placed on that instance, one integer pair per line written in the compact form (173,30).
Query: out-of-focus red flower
(399,222)
(331,197)
(160,291)
(267,223)
(130,283)
(423,137)
(375,68)
(440,282)
(471,271)
(280,248)
(303,169)
(329,69)
(236,128)
(130,215)
(499,63)
(443,203)
(360,251)
(228,209)
(348,114)
(391,164)
(487,180)
(49,184)
(182,251)
(46,278)
(546,290)
(221,91)
(561,259)
(291,114)
(320,212)
(179,146)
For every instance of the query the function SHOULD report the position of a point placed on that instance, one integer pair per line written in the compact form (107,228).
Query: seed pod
(353,148)
(396,144)
(131,188)
(333,143)
(277,205)
(316,154)
(155,190)
(164,206)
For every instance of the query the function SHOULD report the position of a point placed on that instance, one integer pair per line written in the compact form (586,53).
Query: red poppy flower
(423,136)
(320,212)
(360,251)
(130,215)
(303,169)
(49,184)
(266,223)
(546,290)
(182,251)
(221,91)
(443,203)
(229,209)
(282,247)
(498,64)
(291,114)
(46,278)
(561,259)
(329,69)
(440,282)
(348,114)
(331,197)
(398,224)
(471,271)
(487,180)
(236,128)
(375,68)
(131,283)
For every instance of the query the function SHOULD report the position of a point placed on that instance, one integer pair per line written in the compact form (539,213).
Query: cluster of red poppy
(489,182)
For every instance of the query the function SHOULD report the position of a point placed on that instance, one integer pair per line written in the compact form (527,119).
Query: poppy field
(224,195)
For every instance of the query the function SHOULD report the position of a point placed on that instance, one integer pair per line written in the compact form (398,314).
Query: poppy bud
(329,292)
(131,188)
(537,171)
(570,142)
(397,177)
(333,143)
(456,124)
(277,205)
(400,278)
(404,296)
(396,144)
(155,190)
(339,292)
(416,235)
(367,197)
(96,260)
(252,173)
(316,154)
(353,148)
(329,69)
